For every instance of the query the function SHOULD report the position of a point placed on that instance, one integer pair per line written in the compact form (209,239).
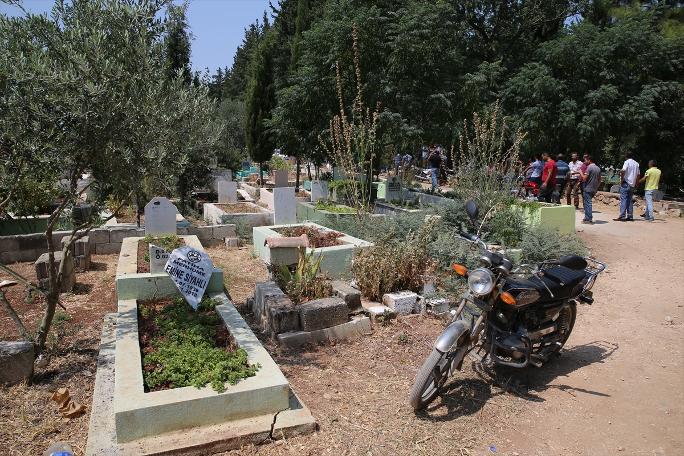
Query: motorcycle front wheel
(434,373)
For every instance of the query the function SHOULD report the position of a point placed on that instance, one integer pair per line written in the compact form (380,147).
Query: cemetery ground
(617,388)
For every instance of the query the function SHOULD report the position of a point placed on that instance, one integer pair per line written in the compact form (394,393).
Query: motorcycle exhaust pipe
(538,334)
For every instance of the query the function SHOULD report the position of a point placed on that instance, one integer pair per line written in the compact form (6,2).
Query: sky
(217,27)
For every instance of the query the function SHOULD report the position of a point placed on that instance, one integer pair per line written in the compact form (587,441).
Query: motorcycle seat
(560,280)
(564,275)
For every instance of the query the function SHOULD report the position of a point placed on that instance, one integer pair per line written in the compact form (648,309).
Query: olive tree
(84,90)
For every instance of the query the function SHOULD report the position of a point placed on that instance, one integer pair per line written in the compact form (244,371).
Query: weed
(167,242)
(403,338)
(304,282)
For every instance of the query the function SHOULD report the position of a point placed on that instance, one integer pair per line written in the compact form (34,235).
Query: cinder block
(99,236)
(182,231)
(117,236)
(351,295)
(402,302)
(42,270)
(323,313)
(16,256)
(80,248)
(282,315)
(223,231)
(262,291)
(107,249)
(232,242)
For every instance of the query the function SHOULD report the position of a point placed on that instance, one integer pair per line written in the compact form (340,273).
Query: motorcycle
(507,317)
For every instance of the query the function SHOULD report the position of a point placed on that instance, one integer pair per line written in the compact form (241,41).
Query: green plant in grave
(304,282)
(167,242)
(331,206)
(184,351)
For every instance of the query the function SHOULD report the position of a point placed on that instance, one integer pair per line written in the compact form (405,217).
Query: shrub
(167,242)
(393,265)
(539,244)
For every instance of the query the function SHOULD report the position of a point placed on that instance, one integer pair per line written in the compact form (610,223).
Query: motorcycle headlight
(480,281)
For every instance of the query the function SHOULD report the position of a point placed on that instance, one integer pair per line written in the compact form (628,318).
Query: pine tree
(178,43)
(259,101)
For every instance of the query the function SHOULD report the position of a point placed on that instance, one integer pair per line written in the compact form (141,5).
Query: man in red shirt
(548,178)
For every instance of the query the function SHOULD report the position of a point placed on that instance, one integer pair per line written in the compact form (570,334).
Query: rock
(16,361)
(282,315)
(323,313)
(402,302)
(668,319)
(351,295)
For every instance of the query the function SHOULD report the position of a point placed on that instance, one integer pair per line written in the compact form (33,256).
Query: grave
(246,214)
(227,192)
(393,189)
(336,260)
(319,190)
(158,258)
(160,217)
(220,175)
(284,206)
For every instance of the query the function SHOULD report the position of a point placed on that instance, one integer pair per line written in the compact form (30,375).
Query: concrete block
(350,330)
(282,315)
(80,248)
(262,291)
(34,241)
(323,313)
(223,231)
(232,242)
(82,263)
(204,233)
(116,236)
(15,256)
(42,266)
(99,236)
(351,296)
(16,361)
(107,249)
(181,231)
(437,306)
(402,302)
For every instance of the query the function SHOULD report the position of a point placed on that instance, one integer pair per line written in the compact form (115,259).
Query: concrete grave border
(214,214)
(336,260)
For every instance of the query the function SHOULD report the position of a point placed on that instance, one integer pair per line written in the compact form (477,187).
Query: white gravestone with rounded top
(160,217)
(190,270)
(227,192)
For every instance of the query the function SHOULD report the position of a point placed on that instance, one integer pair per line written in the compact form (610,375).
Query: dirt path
(619,387)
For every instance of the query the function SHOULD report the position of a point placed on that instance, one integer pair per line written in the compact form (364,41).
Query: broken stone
(323,313)
(42,268)
(16,361)
(282,315)
(351,296)
(402,302)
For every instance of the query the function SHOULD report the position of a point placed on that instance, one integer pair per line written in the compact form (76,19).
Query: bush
(304,283)
(394,265)
(539,244)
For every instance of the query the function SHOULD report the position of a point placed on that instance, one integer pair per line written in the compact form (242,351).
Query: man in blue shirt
(563,169)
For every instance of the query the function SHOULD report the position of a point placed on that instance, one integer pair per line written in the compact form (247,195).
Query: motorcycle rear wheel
(434,373)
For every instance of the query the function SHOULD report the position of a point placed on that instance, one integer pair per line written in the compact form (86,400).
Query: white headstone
(284,206)
(190,271)
(158,259)
(160,217)
(319,190)
(280,177)
(219,176)
(227,191)
(393,189)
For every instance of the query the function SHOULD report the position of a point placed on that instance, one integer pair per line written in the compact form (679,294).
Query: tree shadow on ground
(97,266)
(82,288)
(530,381)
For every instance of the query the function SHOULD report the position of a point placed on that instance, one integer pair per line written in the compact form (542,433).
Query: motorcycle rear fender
(451,334)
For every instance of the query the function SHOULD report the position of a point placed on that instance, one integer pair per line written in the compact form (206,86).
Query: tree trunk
(299,169)
(308,170)
(261,174)
(13,314)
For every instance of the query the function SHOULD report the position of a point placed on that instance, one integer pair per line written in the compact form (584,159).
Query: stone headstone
(319,191)
(227,192)
(158,259)
(160,217)
(42,266)
(221,175)
(338,173)
(280,178)
(284,206)
(16,361)
(190,270)
(393,189)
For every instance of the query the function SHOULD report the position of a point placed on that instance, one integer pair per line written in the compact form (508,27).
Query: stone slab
(118,235)
(107,249)
(16,361)
(355,328)
(223,231)
(280,178)
(282,315)
(284,206)
(323,313)
(227,191)
(319,191)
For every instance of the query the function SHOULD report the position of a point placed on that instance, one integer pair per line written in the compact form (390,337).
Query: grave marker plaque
(190,271)
(284,206)
(158,258)
(160,217)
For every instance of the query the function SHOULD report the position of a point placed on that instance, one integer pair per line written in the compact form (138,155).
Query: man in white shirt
(629,175)
(573,187)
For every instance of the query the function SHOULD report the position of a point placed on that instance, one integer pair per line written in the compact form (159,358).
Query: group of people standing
(571,178)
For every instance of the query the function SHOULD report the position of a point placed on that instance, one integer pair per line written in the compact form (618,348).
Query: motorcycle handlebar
(470,237)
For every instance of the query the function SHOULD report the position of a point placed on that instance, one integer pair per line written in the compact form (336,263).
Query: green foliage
(392,265)
(539,244)
(184,352)
(304,283)
(168,242)
(332,206)
(278,162)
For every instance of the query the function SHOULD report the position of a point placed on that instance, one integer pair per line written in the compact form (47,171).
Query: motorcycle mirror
(472,210)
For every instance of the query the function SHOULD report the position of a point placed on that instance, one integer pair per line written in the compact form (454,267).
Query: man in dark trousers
(548,178)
